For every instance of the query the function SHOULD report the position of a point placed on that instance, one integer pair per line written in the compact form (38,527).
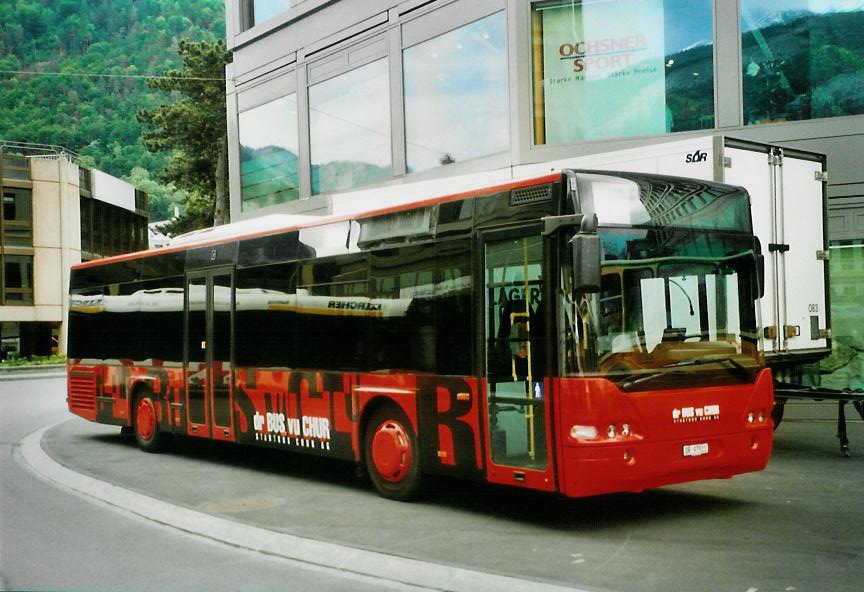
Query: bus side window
(453,299)
(333,309)
(401,333)
(265,321)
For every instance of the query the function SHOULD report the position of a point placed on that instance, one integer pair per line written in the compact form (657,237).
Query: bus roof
(412,196)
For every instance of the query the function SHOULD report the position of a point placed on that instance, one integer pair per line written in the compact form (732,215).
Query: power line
(88,75)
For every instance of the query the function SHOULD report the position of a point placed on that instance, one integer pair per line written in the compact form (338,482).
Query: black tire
(148,434)
(777,412)
(392,455)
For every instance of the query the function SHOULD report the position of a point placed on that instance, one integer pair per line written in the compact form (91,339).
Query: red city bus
(580,333)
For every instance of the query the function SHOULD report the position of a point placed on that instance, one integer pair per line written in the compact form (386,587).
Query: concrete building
(325,96)
(55,214)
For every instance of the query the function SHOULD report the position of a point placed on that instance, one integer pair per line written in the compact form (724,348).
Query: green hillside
(101,50)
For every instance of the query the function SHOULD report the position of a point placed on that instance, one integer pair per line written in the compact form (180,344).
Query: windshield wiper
(734,367)
(629,383)
(707,360)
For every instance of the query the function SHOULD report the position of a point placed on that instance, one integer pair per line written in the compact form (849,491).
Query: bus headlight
(581,432)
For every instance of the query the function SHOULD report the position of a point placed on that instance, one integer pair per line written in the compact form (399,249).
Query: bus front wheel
(145,422)
(391,454)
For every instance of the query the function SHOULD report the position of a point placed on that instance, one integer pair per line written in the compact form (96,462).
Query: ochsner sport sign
(603,69)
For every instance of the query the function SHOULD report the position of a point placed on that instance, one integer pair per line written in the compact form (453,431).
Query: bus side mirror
(586,262)
(760,269)
(760,275)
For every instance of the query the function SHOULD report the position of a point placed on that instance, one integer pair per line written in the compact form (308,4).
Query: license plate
(695,449)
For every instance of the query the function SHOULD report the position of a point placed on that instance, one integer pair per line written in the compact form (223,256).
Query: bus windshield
(671,311)
(672,303)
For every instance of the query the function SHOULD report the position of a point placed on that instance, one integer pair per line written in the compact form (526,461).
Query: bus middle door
(209,376)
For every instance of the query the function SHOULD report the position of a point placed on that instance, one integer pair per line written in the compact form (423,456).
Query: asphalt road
(53,540)
(795,526)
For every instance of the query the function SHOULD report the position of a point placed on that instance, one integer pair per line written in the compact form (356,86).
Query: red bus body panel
(661,424)
(450,419)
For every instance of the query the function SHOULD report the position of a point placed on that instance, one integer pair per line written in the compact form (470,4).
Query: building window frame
(530,149)
(282,84)
(18,249)
(24,292)
(448,21)
(19,226)
(349,55)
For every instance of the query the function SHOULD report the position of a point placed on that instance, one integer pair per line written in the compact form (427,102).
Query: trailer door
(803,228)
(787,205)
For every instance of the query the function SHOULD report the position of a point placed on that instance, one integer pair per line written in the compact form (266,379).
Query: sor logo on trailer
(698,156)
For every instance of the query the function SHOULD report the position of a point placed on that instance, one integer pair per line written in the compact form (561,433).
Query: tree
(192,127)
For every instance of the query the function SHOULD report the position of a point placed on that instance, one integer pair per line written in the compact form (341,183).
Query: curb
(345,560)
(28,372)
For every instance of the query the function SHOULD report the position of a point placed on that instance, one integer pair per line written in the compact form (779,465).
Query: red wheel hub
(391,451)
(145,418)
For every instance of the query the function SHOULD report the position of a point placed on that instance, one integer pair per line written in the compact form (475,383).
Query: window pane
(18,279)
(16,205)
(265,9)
(802,59)
(265,321)
(453,324)
(598,75)
(268,154)
(401,316)
(349,128)
(456,95)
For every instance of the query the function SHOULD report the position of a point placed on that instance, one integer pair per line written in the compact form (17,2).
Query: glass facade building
(335,95)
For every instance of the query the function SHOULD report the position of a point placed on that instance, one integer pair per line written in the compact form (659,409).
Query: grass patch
(34,361)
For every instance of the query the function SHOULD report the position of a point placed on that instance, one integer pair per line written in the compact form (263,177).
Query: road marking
(345,560)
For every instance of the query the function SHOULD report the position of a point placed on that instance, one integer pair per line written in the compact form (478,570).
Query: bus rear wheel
(391,454)
(145,422)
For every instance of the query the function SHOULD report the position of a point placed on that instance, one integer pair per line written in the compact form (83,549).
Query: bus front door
(209,380)
(517,389)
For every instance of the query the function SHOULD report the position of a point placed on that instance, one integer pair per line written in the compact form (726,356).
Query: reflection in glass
(598,75)
(802,59)
(266,9)
(677,292)
(515,353)
(268,154)
(349,129)
(196,348)
(456,95)
(845,367)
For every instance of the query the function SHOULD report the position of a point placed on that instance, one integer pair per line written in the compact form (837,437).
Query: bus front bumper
(593,469)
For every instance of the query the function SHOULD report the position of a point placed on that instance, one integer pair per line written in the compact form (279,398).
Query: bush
(34,361)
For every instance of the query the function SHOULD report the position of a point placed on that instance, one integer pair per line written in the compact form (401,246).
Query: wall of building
(113,190)
(301,74)
(46,226)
